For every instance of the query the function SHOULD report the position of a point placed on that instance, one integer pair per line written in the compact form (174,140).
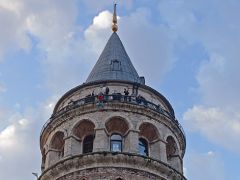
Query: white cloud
(102,21)
(2,88)
(9,137)
(11,5)
(216,28)
(17,147)
(12,34)
(19,142)
(53,23)
(47,107)
(207,166)
(219,125)
(54,26)
(148,44)
(4,113)
(218,116)
(98,32)
(218,79)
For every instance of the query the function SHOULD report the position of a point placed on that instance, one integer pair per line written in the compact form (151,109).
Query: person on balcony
(107,91)
(126,93)
(100,99)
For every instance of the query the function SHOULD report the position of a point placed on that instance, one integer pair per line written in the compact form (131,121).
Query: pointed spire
(115,26)
(114,63)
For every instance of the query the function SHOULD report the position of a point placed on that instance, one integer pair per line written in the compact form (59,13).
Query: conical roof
(114,63)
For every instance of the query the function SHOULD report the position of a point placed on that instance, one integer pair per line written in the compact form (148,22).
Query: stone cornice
(110,159)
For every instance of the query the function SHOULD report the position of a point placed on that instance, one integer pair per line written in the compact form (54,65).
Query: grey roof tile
(114,63)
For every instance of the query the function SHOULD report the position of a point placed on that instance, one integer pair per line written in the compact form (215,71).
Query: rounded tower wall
(111,166)
(140,122)
(134,89)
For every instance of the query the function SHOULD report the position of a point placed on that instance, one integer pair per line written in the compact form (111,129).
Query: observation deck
(112,101)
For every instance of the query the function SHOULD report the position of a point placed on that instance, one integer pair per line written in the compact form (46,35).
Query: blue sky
(187,50)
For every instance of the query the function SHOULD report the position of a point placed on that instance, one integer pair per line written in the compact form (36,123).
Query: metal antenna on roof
(115,26)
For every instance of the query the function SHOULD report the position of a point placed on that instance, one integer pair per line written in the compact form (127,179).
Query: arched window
(117,124)
(171,147)
(57,143)
(148,131)
(143,147)
(116,143)
(88,144)
(172,152)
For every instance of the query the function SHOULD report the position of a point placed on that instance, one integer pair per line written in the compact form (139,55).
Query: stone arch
(48,144)
(119,115)
(117,125)
(149,132)
(175,139)
(171,147)
(57,141)
(84,178)
(172,153)
(83,129)
(56,148)
(155,124)
(82,137)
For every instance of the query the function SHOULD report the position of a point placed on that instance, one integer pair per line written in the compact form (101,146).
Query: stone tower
(112,127)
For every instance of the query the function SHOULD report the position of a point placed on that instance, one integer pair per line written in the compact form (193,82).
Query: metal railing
(100,101)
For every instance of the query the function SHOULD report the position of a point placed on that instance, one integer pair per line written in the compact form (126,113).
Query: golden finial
(115,26)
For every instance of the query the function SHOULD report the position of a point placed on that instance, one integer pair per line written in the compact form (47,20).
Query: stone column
(155,150)
(163,153)
(101,141)
(176,162)
(131,142)
(51,157)
(72,146)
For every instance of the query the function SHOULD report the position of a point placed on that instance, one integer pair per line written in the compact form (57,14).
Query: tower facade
(112,127)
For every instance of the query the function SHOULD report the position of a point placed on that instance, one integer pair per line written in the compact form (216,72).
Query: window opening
(143,147)
(115,65)
(88,144)
(116,143)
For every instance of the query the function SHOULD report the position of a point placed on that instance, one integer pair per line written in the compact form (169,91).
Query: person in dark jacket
(126,93)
